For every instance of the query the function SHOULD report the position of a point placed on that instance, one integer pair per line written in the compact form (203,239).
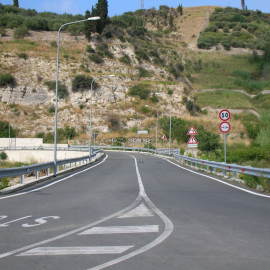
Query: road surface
(131,212)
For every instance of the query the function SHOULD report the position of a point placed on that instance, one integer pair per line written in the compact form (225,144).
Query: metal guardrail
(45,167)
(211,166)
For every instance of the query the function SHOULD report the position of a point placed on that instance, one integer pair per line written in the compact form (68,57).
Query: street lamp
(57,84)
(90,116)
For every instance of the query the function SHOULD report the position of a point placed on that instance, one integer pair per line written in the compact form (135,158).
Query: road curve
(134,212)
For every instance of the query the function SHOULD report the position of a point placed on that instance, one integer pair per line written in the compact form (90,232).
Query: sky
(117,7)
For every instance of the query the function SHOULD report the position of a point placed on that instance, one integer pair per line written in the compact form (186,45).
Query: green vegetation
(14,17)
(95,58)
(83,83)
(224,99)
(6,130)
(140,90)
(125,59)
(64,134)
(62,89)
(208,141)
(23,56)
(21,32)
(3,156)
(7,80)
(236,28)
(144,73)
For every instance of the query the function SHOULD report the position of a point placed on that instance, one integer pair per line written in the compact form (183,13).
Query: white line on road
(122,230)
(12,221)
(220,181)
(166,233)
(54,183)
(140,211)
(50,251)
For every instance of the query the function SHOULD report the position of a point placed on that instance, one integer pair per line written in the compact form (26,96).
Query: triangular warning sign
(192,131)
(192,140)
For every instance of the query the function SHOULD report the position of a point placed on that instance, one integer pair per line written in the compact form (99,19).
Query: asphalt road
(135,212)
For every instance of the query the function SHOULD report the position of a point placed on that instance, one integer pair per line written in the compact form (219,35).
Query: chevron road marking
(140,211)
(49,251)
(122,229)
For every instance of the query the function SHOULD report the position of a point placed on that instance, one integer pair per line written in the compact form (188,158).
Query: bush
(7,80)
(114,122)
(207,141)
(62,89)
(89,49)
(51,109)
(144,73)
(102,50)
(140,90)
(23,56)
(96,58)
(83,83)
(3,156)
(6,130)
(125,59)
(21,32)
(4,183)
(154,98)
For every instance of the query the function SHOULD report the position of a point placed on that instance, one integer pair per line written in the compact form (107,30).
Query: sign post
(225,128)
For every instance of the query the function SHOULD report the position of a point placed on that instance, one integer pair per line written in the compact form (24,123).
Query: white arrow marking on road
(49,251)
(140,211)
(122,229)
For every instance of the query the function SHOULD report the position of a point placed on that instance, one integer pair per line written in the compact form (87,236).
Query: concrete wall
(21,142)
(39,156)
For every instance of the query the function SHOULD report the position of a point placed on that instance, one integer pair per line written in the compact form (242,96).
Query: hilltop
(158,67)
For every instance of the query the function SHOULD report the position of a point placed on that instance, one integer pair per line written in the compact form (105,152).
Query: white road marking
(49,251)
(220,181)
(10,253)
(3,217)
(12,221)
(54,183)
(166,233)
(122,230)
(140,211)
(39,221)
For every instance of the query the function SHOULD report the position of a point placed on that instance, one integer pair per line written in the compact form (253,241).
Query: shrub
(51,109)
(207,141)
(62,89)
(90,49)
(125,59)
(4,182)
(114,122)
(23,56)
(3,156)
(102,50)
(170,92)
(96,58)
(6,129)
(83,83)
(176,70)
(119,141)
(7,80)
(3,32)
(154,98)
(140,90)
(143,73)
(21,32)
(145,110)
(53,44)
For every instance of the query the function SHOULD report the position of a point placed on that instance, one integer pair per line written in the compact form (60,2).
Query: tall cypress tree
(243,4)
(102,11)
(16,3)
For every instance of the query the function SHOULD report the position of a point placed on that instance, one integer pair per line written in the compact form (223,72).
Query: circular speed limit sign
(225,115)
(225,127)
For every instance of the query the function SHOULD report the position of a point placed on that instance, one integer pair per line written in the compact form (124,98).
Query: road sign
(192,131)
(224,115)
(225,127)
(193,140)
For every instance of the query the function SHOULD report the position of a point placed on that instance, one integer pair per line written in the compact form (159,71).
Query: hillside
(156,67)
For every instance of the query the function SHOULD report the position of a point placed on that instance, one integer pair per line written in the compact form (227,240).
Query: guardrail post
(37,175)
(48,171)
(22,179)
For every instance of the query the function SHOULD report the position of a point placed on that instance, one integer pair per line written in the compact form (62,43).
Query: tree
(180,9)
(4,130)
(243,4)
(101,10)
(16,3)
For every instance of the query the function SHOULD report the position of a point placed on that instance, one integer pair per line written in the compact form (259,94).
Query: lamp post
(90,115)
(170,136)
(57,84)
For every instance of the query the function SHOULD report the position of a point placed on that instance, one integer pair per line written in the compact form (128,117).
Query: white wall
(39,156)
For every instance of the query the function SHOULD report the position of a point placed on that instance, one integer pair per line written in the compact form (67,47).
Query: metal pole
(225,148)
(170,136)
(157,132)
(90,120)
(57,83)
(9,135)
